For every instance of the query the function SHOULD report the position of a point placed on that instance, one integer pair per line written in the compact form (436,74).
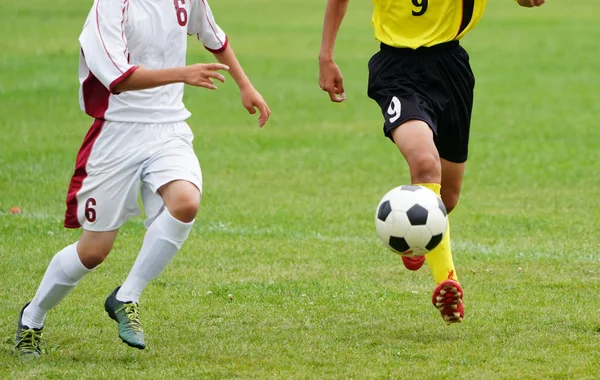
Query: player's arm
(199,75)
(530,3)
(251,98)
(330,75)
(202,23)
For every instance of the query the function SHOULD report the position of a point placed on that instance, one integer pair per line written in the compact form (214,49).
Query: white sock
(63,273)
(164,238)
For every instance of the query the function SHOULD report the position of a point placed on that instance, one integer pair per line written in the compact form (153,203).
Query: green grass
(286,225)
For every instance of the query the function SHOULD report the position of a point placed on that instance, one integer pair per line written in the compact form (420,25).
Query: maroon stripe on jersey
(95,97)
(102,39)
(71,220)
(221,49)
(211,24)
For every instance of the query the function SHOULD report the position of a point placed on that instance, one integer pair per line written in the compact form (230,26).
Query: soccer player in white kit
(132,72)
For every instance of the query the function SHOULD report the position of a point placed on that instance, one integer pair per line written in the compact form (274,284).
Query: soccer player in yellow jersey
(422,80)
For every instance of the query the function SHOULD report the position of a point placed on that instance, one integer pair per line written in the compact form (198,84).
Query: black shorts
(432,84)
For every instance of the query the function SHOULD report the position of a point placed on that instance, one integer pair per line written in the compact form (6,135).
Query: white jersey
(120,35)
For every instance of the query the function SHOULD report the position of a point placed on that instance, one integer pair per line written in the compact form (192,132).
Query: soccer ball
(411,220)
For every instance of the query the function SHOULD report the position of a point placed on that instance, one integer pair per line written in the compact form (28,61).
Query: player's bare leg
(93,247)
(64,272)
(164,238)
(182,199)
(415,141)
(452,179)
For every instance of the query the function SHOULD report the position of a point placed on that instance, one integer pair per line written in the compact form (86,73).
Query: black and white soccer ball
(411,220)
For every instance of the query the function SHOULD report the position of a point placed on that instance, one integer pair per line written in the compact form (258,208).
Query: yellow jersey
(417,23)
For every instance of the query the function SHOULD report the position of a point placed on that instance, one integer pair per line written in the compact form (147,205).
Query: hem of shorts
(388,134)
(388,131)
(91,229)
(454,160)
(155,191)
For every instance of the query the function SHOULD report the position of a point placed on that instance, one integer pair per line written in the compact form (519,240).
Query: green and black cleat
(28,341)
(127,315)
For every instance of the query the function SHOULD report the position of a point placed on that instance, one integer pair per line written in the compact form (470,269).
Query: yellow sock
(440,258)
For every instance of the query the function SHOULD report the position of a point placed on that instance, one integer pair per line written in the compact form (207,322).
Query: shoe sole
(138,346)
(449,296)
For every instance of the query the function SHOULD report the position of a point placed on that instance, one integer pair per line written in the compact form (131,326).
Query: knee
(425,168)
(94,254)
(185,207)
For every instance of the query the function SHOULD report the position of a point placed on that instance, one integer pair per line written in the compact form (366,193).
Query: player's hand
(202,74)
(252,100)
(331,80)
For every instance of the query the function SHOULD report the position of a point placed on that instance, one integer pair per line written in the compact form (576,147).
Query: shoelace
(29,341)
(133,314)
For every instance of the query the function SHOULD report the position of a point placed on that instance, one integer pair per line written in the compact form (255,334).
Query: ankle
(33,317)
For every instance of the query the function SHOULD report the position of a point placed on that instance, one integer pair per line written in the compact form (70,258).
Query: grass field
(286,224)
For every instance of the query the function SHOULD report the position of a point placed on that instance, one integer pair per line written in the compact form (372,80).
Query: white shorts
(117,159)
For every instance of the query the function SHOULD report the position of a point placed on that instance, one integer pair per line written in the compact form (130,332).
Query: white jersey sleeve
(202,23)
(103,42)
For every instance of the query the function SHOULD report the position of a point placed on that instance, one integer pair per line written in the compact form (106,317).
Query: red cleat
(413,263)
(448,299)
